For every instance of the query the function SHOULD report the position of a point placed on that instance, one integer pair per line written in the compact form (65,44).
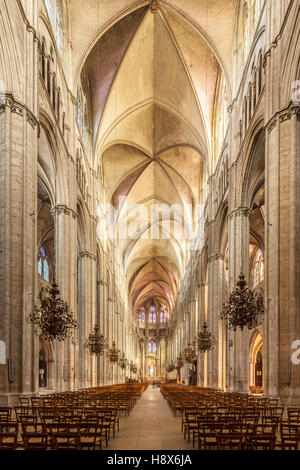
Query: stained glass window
(152,346)
(152,314)
(163,315)
(43,265)
(258,268)
(142,315)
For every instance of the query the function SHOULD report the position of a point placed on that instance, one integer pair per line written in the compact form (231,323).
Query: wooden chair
(8,436)
(289,436)
(230,442)
(35,440)
(207,435)
(65,441)
(87,439)
(259,442)
(190,423)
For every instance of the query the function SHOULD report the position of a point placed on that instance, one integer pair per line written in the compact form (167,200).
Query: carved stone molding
(216,256)
(283,115)
(87,254)
(63,209)
(246,211)
(7,101)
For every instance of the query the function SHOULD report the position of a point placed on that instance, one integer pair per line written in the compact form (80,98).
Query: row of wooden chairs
(67,421)
(219,420)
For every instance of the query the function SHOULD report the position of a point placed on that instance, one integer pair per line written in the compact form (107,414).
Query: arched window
(84,127)
(163,315)
(48,76)
(152,314)
(43,265)
(152,346)
(78,108)
(43,59)
(59,26)
(142,315)
(258,268)
(43,375)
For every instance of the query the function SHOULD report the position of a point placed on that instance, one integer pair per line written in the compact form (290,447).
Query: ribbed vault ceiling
(153,81)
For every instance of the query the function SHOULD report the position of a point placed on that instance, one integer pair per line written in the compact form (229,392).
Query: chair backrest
(5,413)
(24,401)
(32,427)
(293,414)
(266,429)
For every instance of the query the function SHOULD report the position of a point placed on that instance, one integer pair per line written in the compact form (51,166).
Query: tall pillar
(65,255)
(282,324)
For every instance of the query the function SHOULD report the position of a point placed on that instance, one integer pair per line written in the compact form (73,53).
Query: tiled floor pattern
(150,426)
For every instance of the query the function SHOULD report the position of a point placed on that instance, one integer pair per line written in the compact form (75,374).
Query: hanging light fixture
(180,361)
(205,339)
(53,317)
(96,343)
(190,353)
(171,367)
(133,368)
(114,353)
(244,308)
(123,361)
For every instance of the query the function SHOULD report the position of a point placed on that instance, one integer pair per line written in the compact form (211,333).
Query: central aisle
(151,425)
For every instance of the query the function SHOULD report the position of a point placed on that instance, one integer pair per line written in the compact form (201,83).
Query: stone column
(239,262)
(282,325)
(65,255)
(18,250)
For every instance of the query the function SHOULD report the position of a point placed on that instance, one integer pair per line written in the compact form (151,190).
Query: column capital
(63,209)
(246,211)
(7,100)
(87,254)
(216,256)
(282,115)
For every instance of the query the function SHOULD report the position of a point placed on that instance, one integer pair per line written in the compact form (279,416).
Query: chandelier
(114,353)
(96,343)
(244,308)
(123,361)
(53,317)
(190,353)
(170,367)
(133,368)
(180,362)
(205,339)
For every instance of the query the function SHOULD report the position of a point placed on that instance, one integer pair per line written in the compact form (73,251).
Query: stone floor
(151,426)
